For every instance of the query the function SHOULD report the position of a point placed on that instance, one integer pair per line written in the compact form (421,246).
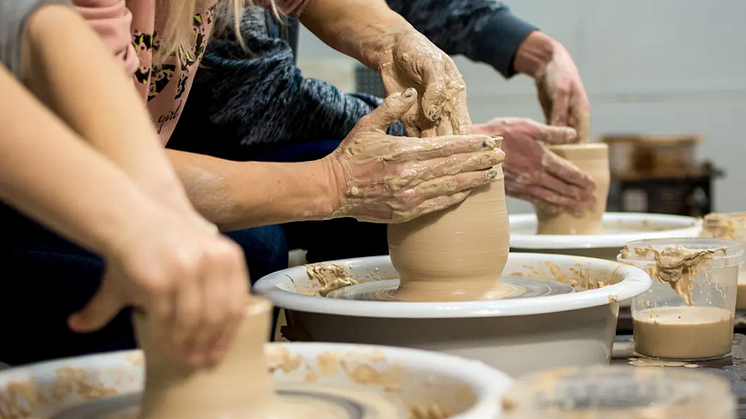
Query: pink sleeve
(112,21)
(290,7)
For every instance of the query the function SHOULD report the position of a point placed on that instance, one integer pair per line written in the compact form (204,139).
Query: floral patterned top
(132,29)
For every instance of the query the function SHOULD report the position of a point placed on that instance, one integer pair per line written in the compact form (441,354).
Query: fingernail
(492,174)
(408,93)
(433,115)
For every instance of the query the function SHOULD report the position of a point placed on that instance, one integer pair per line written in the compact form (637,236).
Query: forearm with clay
(111,118)
(356,28)
(50,174)
(372,176)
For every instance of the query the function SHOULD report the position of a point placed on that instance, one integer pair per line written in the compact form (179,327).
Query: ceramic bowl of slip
(354,378)
(569,318)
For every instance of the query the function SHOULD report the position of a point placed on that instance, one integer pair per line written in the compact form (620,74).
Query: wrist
(534,53)
(377,47)
(333,186)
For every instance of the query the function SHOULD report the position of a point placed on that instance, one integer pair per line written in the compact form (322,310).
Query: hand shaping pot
(517,336)
(109,386)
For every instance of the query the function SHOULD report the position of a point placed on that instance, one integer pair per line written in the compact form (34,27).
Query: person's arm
(50,174)
(237,195)
(482,30)
(90,91)
(360,29)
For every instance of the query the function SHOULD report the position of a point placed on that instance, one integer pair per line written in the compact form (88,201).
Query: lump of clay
(239,386)
(457,254)
(593,160)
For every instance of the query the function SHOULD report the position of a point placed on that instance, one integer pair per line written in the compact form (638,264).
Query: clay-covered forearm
(357,28)
(111,117)
(482,30)
(50,174)
(238,195)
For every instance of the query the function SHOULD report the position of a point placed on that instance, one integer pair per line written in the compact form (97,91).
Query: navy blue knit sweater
(240,97)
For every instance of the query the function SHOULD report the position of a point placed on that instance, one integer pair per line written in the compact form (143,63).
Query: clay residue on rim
(329,277)
(581,277)
(724,226)
(20,398)
(676,265)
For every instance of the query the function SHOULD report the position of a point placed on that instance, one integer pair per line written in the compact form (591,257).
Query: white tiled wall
(654,66)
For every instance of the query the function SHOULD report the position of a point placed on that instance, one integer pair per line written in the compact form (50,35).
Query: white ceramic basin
(516,336)
(109,385)
(620,228)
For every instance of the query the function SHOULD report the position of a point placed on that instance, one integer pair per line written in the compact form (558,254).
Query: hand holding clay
(534,173)
(382,178)
(412,60)
(191,281)
(561,92)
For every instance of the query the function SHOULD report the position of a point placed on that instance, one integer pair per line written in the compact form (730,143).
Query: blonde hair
(179,15)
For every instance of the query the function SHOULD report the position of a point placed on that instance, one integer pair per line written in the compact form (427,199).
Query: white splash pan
(516,336)
(92,387)
(620,229)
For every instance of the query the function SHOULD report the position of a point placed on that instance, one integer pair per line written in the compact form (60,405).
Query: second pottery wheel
(516,335)
(620,228)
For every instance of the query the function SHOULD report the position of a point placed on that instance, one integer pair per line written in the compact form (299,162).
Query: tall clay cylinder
(453,255)
(593,160)
(239,386)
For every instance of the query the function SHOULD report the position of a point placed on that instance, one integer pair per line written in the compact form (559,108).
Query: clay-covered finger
(580,112)
(432,148)
(560,186)
(392,110)
(560,109)
(542,194)
(557,135)
(459,119)
(449,185)
(567,171)
(429,206)
(434,79)
(418,172)
(188,318)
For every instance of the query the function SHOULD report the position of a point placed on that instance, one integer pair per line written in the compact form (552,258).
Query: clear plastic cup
(729,226)
(620,392)
(688,312)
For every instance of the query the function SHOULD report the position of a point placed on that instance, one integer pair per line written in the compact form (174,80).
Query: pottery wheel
(509,288)
(320,403)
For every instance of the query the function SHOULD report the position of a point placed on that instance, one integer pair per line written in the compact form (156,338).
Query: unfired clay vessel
(593,159)
(237,387)
(457,254)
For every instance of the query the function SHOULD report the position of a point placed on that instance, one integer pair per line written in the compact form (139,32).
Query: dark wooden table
(733,367)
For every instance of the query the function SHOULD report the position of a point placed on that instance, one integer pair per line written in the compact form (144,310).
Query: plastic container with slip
(620,392)
(688,312)
(729,226)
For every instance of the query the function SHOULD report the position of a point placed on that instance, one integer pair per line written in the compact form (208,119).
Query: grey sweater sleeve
(259,96)
(482,30)
(14,14)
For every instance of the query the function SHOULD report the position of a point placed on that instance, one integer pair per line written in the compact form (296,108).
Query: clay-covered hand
(190,281)
(561,92)
(382,178)
(411,60)
(534,173)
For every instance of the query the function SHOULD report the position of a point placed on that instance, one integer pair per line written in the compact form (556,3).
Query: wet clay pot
(457,254)
(239,386)
(593,160)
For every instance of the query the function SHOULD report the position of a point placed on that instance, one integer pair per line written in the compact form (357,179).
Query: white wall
(653,66)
